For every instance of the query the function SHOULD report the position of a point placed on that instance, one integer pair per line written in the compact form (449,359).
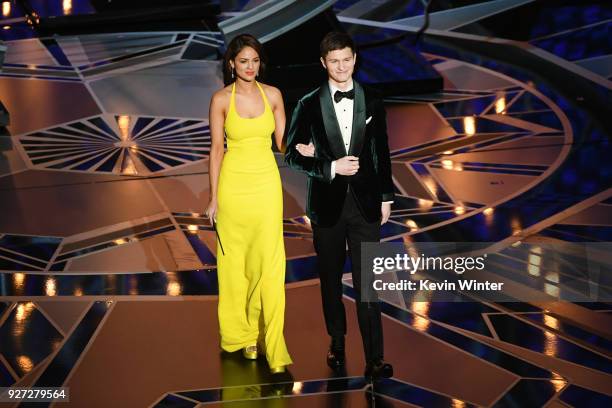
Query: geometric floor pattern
(125,145)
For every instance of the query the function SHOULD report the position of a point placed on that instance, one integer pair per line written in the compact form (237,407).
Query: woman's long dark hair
(234,47)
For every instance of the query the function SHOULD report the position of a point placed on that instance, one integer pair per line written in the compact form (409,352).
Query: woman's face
(246,64)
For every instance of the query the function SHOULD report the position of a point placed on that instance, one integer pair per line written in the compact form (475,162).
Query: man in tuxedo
(338,137)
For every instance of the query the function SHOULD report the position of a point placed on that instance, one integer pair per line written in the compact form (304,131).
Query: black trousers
(330,244)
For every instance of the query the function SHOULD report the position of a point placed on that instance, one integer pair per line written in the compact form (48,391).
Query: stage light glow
(425,204)
(551,289)
(534,270)
(551,322)
(18,279)
(23,311)
(558,384)
(517,227)
(534,261)
(124,126)
(551,342)
(552,276)
(6,8)
(420,323)
(412,225)
(431,185)
(500,103)
(469,125)
(128,167)
(488,214)
(407,239)
(173,288)
(50,286)
(455,403)
(451,165)
(557,381)
(67,6)
(25,363)
(459,210)
(193,229)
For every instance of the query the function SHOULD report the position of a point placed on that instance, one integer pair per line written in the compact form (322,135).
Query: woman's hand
(211,210)
(305,150)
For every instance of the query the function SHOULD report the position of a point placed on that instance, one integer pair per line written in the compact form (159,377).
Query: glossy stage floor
(108,276)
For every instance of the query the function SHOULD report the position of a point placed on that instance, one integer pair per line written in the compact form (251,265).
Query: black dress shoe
(378,369)
(335,355)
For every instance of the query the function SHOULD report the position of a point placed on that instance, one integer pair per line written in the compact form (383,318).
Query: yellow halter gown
(250,227)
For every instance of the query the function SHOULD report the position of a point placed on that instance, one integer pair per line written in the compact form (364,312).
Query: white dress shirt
(344,115)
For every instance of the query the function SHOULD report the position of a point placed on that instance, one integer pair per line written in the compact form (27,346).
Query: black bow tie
(338,95)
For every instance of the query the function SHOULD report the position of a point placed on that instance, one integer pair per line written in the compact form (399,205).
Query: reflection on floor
(107,265)
(170,356)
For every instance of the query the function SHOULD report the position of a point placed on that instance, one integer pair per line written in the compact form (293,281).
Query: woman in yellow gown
(247,203)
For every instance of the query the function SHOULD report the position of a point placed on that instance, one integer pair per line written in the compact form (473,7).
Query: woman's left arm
(278,108)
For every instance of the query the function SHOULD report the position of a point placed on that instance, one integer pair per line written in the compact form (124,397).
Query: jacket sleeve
(299,132)
(381,153)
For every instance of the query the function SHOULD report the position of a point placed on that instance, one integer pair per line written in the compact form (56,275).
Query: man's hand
(385,211)
(347,166)
(305,150)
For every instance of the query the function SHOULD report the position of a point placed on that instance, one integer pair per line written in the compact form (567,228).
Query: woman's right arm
(216,117)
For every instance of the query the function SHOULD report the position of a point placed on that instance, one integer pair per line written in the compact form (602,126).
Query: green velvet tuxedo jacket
(314,120)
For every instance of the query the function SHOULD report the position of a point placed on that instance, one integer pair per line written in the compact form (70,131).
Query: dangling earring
(232,72)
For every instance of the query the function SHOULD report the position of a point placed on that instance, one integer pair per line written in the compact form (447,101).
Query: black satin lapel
(359,119)
(332,129)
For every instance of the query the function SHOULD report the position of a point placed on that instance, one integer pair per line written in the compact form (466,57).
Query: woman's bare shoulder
(222,96)
(272,92)
(222,93)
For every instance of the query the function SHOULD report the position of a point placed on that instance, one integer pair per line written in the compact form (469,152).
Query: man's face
(340,64)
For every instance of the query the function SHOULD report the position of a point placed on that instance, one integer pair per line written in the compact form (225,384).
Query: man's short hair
(336,40)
